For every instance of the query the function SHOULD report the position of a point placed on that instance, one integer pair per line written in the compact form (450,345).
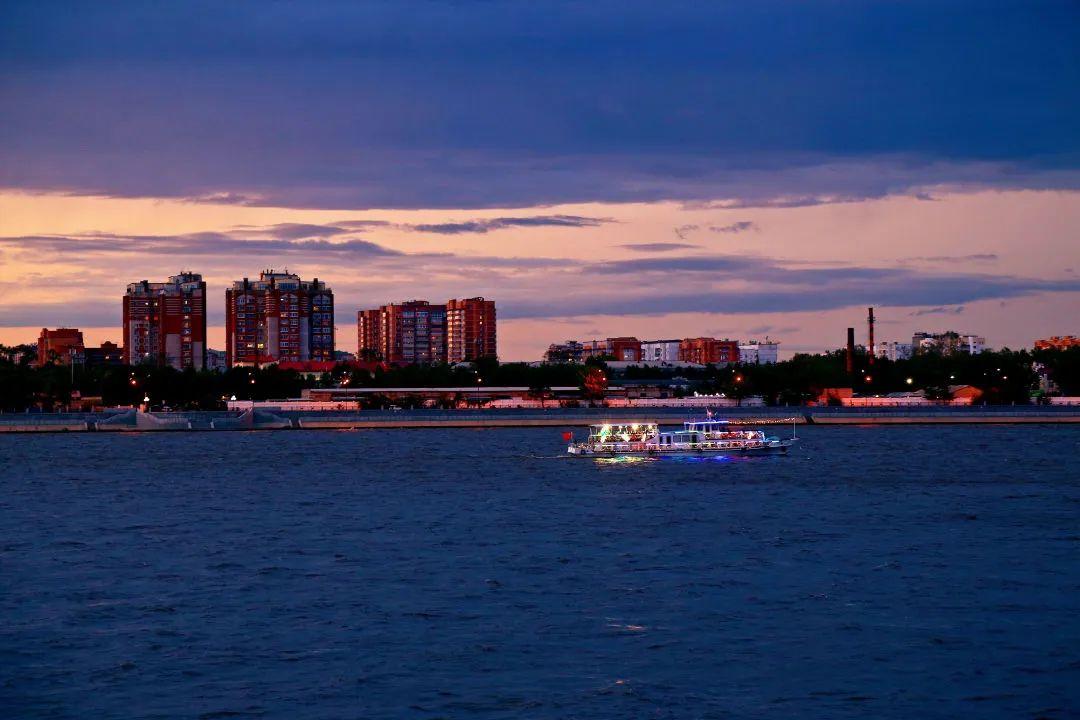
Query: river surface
(886,572)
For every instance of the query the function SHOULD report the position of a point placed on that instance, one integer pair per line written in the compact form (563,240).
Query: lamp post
(478,381)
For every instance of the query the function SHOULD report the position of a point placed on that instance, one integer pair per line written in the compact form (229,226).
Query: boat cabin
(623,432)
(721,430)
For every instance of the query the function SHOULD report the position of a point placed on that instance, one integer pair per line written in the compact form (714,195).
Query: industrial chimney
(851,351)
(870,339)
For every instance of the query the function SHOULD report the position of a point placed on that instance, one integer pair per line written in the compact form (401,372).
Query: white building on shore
(660,352)
(759,353)
(892,350)
(948,343)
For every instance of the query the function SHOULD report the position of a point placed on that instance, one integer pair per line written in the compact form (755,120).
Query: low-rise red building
(625,349)
(1056,342)
(62,346)
(108,353)
(708,351)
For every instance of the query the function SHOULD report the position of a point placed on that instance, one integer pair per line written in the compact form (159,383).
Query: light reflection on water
(625,460)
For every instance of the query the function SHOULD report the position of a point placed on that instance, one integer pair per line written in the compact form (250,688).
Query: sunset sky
(605,168)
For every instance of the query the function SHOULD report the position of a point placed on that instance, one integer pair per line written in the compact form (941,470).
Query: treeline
(1004,377)
(51,387)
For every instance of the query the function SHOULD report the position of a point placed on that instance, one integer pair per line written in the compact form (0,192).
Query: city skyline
(605,170)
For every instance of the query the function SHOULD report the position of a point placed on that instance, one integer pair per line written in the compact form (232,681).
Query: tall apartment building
(707,350)
(419,332)
(408,332)
(278,317)
(369,334)
(165,322)
(62,346)
(470,329)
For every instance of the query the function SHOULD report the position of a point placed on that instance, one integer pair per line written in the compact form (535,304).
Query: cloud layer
(673,279)
(776,103)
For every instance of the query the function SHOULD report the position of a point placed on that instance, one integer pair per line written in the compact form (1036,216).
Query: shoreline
(203,421)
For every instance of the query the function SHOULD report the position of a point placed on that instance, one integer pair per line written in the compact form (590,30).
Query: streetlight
(909,381)
(478,381)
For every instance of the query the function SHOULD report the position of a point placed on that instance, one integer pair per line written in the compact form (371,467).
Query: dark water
(878,572)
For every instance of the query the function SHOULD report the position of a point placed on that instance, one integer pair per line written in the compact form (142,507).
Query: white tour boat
(697,437)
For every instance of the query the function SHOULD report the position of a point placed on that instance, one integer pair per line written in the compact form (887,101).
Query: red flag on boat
(568,436)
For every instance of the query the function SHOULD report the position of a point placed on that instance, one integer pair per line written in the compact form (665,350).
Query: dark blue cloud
(735,227)
(299,231)
(658,247)
(207,244)
(477,104)
(959,309)
(501,223)
(947,259)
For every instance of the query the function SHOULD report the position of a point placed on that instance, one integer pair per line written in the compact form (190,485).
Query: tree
(539,390)
(1063,367)
(594,384)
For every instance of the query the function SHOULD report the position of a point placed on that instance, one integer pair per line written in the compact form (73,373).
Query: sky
(661,170)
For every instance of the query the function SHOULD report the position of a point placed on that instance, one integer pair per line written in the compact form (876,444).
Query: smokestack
(851,351)
(870,339)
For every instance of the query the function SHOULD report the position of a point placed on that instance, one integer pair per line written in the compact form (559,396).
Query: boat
(697,437)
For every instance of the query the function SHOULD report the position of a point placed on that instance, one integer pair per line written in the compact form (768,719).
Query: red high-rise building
(165,323)
(369,335)
(278,317)
(408,332)
(706,351)
(470,329)
(62,346)
(419,332)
